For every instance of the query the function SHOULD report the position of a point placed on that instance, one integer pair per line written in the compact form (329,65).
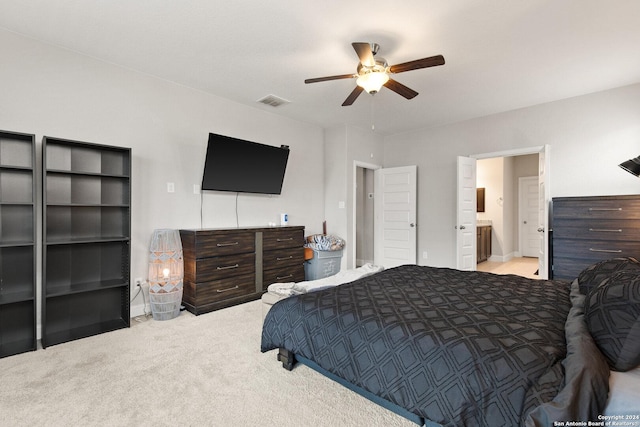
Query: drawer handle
(604,230)
(228,267)
(220,245)
(285,240)
(611,251)
(285,258)
(225,290)
(605,209)
(288,276)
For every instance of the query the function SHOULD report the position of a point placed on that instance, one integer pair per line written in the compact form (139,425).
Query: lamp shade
(632,166)
(166,274)
(372,81)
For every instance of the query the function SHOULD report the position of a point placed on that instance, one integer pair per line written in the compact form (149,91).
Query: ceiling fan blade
(400,89)
(324,79)
(352,96)
(432,61)
(364,53)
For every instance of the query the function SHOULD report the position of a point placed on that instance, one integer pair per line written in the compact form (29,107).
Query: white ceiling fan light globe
(372,81)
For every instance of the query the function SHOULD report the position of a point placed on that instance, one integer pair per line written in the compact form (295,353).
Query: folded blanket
(291,288)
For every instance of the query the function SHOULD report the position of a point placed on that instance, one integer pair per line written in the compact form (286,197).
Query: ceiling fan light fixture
(372,81)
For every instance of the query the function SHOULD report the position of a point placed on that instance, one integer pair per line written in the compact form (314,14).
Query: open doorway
(364,214)
(511,213)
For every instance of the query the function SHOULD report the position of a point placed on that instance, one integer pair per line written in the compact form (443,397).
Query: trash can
(326,256)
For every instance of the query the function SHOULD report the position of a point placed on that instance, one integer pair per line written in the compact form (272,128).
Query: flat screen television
(237,165)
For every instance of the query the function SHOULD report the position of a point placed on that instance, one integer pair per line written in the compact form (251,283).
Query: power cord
(201,203)
(237,220)
(146,314)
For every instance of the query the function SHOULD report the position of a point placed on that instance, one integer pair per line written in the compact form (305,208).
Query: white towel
(327,282)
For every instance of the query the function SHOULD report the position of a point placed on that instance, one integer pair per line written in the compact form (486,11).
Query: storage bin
(323,264)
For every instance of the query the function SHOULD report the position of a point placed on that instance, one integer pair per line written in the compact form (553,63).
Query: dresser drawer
(219,290)
(211,243)
(208,269)
(596,229)
(610,208)
(569,268)
(290,273)
(277,259)
(593,250)
(282,238)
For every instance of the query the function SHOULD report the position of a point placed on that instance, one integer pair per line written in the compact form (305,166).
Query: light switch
(171,188)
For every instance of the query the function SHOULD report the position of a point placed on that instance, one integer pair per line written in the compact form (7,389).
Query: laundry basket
(327,256)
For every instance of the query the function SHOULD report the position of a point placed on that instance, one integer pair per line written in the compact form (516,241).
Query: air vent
(273,101)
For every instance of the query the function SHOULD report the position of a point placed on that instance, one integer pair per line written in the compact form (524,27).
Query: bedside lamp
(166,274)
(632,166)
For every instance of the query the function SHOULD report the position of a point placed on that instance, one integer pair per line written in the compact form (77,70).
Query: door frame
(354,194)
(543,260)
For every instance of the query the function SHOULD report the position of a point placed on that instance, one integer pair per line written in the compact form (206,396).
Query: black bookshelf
(17,243)
(86,239)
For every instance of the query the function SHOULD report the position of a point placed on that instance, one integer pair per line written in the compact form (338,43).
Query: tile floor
(524,266)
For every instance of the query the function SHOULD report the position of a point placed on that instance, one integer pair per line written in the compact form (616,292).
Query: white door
(466,215)
(528,216)
(544,168)
(395,216)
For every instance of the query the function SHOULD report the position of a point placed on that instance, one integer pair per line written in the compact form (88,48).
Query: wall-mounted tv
(237,165)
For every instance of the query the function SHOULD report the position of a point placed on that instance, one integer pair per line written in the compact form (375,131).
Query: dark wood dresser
(586,230)
(225,267)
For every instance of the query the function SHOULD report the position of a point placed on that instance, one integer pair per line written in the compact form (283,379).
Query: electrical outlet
(425,255)
(138,282)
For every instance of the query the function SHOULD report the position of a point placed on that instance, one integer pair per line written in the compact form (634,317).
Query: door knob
(462,227)
(412,225)
(540,229)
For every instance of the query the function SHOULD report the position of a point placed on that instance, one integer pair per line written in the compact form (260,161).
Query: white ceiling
(500,54)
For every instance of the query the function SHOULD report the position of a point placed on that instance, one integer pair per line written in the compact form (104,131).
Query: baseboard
(501,258)
(139,310)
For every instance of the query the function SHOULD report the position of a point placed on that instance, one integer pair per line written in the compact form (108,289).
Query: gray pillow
(612,315)
(593,275)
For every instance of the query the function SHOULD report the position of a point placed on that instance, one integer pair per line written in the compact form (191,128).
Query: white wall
(50,91)
(524,166)
(344,146)
(589,136)
(490,175)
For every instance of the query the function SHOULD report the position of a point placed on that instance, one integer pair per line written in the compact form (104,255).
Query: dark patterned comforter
(453,347)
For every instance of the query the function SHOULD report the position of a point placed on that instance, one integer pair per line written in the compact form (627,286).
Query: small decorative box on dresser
(225,267)
(590,229)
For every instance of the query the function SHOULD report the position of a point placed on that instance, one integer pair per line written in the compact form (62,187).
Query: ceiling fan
(373,72)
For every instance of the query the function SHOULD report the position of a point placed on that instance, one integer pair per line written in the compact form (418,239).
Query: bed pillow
(612,315)
(593,275)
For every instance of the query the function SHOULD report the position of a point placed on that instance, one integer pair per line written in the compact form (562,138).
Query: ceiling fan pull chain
(373,124)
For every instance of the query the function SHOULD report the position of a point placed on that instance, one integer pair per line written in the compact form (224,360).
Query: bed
(452,348)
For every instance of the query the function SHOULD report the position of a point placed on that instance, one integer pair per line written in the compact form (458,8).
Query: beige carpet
(189,371)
